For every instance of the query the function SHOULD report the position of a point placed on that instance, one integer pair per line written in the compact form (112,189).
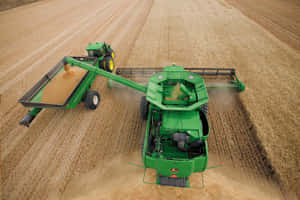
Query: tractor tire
(92,100)
(144,108)
(204,109)
(109,64)
(111,53)
(101,64)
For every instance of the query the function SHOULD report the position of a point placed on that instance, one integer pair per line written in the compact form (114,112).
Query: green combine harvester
(174,105)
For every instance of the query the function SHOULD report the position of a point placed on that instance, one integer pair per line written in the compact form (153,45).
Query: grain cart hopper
(175,107)
(66,86)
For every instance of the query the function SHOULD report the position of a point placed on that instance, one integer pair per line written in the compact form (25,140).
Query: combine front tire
(144,107)
(92,100)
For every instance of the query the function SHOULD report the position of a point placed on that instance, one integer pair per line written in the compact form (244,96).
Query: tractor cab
(95,49)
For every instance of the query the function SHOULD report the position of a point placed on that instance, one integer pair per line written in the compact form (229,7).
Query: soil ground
(7,4)
(65,151)
(281,18)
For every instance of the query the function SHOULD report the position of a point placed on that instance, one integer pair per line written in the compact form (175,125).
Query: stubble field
(81,154)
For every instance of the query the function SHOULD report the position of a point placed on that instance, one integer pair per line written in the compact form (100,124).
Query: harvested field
(280,18)
(81,154)
(8,4)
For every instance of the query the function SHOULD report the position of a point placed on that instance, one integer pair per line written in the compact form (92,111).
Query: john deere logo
(174,170)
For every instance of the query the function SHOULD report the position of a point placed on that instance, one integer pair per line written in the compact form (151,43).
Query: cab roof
(95,46)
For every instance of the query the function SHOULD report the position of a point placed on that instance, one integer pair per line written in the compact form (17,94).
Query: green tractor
(175,107)
(104,54)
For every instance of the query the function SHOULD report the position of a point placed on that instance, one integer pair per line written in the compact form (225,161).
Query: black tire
(144,108)
(101,64)
(143,146)
(204,109)
(92,100)
(109,64)
(111,53)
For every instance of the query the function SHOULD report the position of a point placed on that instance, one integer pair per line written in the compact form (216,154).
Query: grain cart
(175,107)
(100,56)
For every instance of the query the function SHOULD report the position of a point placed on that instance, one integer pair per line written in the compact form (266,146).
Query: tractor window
(91,53)
(94,53)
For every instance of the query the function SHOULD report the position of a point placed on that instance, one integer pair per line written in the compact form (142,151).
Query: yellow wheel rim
(112,54)
(104,65)
(111,65)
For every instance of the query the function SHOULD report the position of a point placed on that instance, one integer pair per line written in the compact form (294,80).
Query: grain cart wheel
(109,64)
(204,109)
(144,106)
(111,53)
(109,83)
(92,100)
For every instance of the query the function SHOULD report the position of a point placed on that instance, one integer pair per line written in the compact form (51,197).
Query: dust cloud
(115,179)
(225,98)
(127,95)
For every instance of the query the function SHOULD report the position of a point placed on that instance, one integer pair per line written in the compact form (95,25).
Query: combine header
(210,75)
(174,105)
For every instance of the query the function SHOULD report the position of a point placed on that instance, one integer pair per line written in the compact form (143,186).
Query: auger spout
(108,75)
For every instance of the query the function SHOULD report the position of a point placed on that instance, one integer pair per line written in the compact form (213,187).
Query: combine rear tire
(109,64)
(144,108)
(143,143)
(92,100)
(204,109)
